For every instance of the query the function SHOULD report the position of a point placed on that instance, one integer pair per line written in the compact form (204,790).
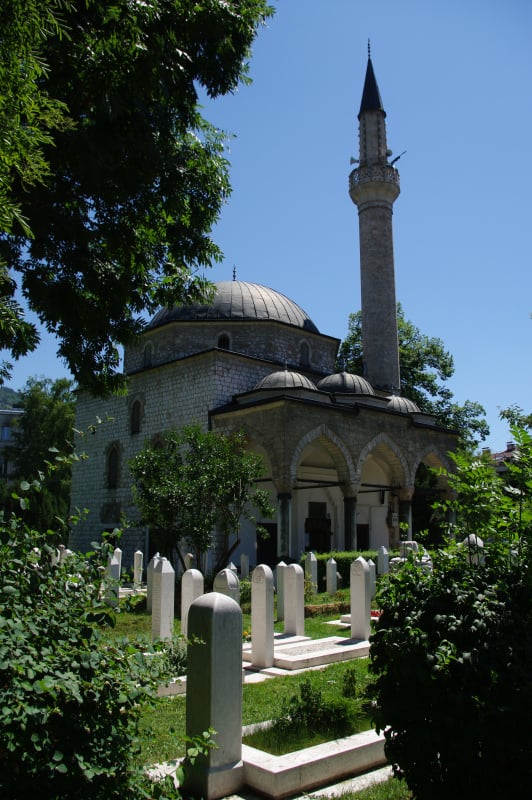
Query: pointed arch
(386,451)
(334,446)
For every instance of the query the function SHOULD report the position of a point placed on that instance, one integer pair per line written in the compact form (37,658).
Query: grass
(162,726)
(392,789)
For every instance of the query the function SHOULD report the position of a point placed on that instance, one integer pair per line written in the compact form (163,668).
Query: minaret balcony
(377,172)
(379,182)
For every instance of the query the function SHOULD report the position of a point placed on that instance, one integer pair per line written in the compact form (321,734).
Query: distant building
(8,419)
(341,451)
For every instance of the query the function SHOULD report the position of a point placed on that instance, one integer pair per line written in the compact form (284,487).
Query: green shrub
(69,700)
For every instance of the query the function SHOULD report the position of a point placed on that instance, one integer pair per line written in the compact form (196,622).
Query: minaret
(373,187)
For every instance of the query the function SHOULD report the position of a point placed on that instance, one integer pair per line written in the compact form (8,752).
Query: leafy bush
(452,651)
(69,700)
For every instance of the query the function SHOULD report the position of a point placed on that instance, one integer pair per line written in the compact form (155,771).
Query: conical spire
(371,98)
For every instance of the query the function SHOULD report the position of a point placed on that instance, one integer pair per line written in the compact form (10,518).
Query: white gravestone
(192,587)
(294,600)
(372,577)
(138,559)
(408,547)
(214,695)
(262,617)
(244,565)
(118,556)
(360,599)
(189,561)
(113,580)
(226,582)
(279,582)
(311,571)
(331,577)
(162,612)
(383,561)
(149,580)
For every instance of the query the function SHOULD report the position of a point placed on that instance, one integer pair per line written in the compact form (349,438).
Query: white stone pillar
(226,582)
(113,580)
(311,571)
(214,695)
(294,600)
(262,617)
(138,559)
(372,577)
(149,580)
(279,580)
(118,556)
(332,580)
(192,587)
(162,615)
(383,561)
(189,561)
(360,599)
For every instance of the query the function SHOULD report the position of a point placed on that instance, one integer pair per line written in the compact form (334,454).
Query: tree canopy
(114,196)
(196,486)
(425,366)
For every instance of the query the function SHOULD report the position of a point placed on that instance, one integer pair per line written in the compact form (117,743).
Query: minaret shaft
(374,187)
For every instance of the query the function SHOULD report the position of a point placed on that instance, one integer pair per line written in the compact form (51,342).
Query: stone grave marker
(331,577)
(360,599)
(294,600)
(226,582)
(149,580)
(192,587)
(311,571)
(383,561)
(262,617)
(279,582)
(162,614)
(138,559)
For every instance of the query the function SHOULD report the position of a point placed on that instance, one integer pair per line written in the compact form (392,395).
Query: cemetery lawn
(162,727)
(391,789)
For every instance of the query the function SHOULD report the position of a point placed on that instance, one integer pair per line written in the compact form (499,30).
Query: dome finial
(369,48)
(234,272)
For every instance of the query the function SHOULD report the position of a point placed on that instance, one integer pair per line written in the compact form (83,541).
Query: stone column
(262,617)
(284,523)
(360,599)
(162,616)
(332,580)
(192,587)
(294,600)
(279,575)
(405,510)
(214,695)
(350,523)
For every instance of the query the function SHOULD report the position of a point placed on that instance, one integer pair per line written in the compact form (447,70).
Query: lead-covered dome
(345,383)
(285,379)
(239,300)
(403,404)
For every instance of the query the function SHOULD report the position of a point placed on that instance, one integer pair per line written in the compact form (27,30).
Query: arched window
(148,355)
(223,341)
(113,467)
(136,410)
(304,354)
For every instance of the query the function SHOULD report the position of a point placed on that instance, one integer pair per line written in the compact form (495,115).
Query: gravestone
(118,556)
(294,600)
(311,571)
(331,577)
(475,548)
(244,566)
(149,580)
(113,580)
(360,599)
(162,613)
(189,561)
(233,568)
(407,547)
(192,587)
(279,582)
(262,617)
(226,582)
(138,559)
(372,577)
(383,561)
(214,695)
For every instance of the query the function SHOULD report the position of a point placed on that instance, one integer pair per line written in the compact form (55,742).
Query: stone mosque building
(341,451)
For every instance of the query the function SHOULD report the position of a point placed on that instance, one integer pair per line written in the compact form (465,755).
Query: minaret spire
(374,187)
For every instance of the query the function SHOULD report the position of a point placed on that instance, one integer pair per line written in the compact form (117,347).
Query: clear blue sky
(455,78)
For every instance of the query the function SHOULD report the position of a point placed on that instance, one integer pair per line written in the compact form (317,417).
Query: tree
(462,637)
(425,366)
(44,434)
(121,224)
(192,483)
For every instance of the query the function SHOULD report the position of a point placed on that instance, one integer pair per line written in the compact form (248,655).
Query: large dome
(238,300)
(285,379)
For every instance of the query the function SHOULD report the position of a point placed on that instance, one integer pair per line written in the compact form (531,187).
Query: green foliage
(43,440)
(69,699)
(425,367)
(192,482)
(121,221)
(452,650)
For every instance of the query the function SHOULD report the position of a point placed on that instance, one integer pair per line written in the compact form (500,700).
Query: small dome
(285,379)
(402,404)
(239,301)
(345,383)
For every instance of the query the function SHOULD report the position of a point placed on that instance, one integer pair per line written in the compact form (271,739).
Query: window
(113,467)
(6,433)
(148,355)
(304,354)
(136,410)
(223,341)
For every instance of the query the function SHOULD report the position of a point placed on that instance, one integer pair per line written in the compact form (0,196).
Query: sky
(455,78)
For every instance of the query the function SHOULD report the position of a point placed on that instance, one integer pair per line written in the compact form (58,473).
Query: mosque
(341,451)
